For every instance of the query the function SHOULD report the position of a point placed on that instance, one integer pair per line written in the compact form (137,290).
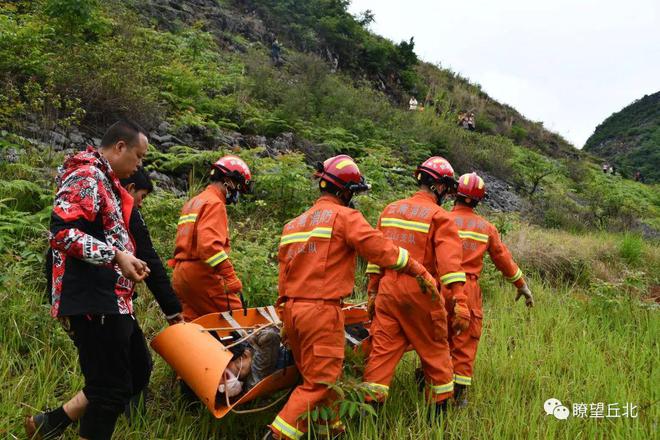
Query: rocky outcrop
(501,196)
(219,19)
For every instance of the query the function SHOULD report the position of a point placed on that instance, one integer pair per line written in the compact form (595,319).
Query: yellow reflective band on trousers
(441,389)
(516,277)
(377,388)
(471,235)
(217,259)
(392,222)
(462,380)
(302,237)
(452,277)
(188,218)
(286,429)
(402,261)
(373,268)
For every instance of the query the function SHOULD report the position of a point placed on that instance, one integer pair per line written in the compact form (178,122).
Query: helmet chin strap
(346,197)
(439,195)
(231,195)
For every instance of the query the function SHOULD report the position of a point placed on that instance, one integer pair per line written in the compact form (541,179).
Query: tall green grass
(575,345)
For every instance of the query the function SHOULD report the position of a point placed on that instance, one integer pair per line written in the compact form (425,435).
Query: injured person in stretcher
(255,358)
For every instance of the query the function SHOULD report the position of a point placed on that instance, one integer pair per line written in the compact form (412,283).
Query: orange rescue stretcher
(200,358)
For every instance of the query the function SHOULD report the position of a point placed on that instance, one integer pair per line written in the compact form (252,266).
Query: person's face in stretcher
(241,365)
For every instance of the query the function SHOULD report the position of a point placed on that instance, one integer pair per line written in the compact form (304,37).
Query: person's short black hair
(238,350)
(122,130)
(141,180)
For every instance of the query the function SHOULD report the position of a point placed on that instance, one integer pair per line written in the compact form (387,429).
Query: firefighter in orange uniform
(316,271)
(478,236)
(402,315)
(204,278)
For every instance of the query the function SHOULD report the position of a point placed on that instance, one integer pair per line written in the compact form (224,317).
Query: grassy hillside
(200,77)
(630,138)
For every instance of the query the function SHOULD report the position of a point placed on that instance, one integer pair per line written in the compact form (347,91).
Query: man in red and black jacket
(95,270)
(52,424)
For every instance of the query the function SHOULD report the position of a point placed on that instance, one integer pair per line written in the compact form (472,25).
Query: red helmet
(236,169)
(342,172)
(471,186)
(435,168)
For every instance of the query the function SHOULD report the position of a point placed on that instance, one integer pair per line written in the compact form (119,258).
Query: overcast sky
(567,63)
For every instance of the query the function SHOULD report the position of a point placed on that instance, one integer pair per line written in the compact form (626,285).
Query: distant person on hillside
(412,104)
(639,177)
(606,167)
(471,123)
(276,53)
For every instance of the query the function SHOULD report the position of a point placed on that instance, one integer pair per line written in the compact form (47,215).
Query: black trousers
(116,364)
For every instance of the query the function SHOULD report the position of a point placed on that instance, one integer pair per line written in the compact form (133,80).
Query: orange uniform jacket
(317,269)
(427,231)
(317,251)
(479,236)
(202,266)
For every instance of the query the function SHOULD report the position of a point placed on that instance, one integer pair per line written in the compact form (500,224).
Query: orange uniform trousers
(464,345)
(400,320)
(201,290)
(315,334)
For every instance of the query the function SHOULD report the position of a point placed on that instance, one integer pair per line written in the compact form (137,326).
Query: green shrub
(631,249)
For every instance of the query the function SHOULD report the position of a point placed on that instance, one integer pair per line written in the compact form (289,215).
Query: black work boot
(420,379)
(441,409)
(46,425)
(460,395)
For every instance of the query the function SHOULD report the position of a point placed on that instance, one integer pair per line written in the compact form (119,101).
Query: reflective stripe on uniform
(441,389)
(516,277)
(377,388)
(473,236)
(188,218)
(301,237)
(402,260)
(452,277)
(286,429)
(405,224)
(217,259)
(373,268)
(462,380)
(328,429)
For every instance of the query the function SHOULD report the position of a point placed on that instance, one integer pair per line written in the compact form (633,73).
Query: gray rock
(76,137)
(501,196)
(164,127)
(231,138)
(284,142)
(164,138)
(57,138)
(11,155)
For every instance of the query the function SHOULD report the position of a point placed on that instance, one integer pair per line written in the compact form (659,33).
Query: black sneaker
(38,427)
(460,396)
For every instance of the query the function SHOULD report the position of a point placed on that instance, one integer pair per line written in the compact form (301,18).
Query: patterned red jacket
(89,223)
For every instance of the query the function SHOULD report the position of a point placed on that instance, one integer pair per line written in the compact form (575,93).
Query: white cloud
(567,63)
